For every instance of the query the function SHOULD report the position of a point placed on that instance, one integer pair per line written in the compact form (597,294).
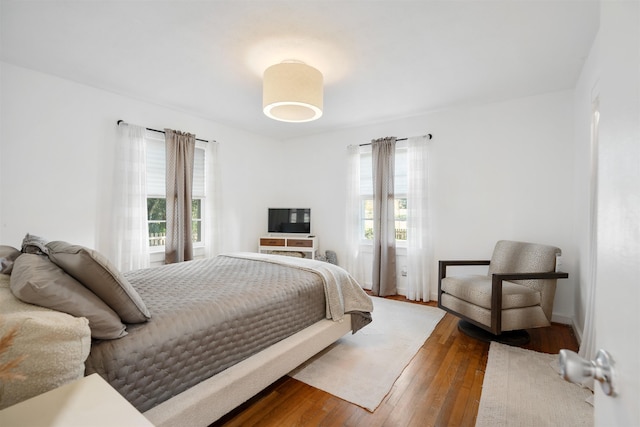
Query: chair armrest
(442,265)
(465,262)
(525,276)
(442,272)
(496,292)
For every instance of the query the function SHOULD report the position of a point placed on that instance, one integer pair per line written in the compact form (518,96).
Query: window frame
(366,196)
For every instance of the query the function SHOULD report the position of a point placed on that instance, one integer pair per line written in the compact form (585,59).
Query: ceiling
(380,59)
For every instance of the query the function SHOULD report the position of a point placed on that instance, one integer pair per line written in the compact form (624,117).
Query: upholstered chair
(516,294)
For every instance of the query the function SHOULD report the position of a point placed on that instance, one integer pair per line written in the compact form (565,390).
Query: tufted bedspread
(207,315)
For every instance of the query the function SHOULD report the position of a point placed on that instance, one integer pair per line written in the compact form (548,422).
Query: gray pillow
(34,244)
(96,272)
(8,255)
(37,280)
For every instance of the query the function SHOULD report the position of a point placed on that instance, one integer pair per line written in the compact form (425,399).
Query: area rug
(523,388)
(361,368)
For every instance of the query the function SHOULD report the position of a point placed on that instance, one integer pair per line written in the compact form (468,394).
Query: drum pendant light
(292,92)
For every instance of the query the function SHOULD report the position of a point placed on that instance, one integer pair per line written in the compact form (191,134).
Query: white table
(90,401)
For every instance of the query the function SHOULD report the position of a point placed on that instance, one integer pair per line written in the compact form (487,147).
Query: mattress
(207,315)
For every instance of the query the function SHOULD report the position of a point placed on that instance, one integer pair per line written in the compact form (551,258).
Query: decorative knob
(574,368)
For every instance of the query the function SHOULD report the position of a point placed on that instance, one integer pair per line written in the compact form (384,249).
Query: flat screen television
(287,220)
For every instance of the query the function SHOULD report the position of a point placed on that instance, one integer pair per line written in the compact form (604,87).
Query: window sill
(399,244)
(160,249)
(156,256)
(367,247)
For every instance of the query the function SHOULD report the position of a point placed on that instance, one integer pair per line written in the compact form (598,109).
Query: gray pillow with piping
(99,275)
(37,280)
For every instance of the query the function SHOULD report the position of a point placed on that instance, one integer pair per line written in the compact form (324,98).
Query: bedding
(34,245)
(210,314)
(8,255)
(342,293)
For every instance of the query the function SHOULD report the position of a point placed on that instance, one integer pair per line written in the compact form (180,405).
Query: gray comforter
(342,293)
(208,315)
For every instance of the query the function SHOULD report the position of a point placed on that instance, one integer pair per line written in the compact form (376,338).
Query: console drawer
(272,242)
(298,243)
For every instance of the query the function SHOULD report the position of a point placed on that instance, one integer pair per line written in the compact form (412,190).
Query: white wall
(1,161)
(587,90)
(497,171)
(57,152)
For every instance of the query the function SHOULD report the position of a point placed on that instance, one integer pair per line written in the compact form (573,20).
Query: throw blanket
(343,294)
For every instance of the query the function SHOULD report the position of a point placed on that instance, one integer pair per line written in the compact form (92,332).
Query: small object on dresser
(332,257)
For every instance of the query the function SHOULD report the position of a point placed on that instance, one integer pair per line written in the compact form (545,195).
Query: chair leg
(513,338)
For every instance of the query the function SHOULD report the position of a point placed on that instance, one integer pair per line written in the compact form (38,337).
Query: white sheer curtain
(354,262)
(213,206)
(588,344)
(418,232)
(129,235)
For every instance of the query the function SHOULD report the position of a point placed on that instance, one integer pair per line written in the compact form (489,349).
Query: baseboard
(561,318)
(433,296)
(577,332)
(568,320)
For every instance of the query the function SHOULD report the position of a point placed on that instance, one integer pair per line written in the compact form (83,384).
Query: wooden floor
(440,387)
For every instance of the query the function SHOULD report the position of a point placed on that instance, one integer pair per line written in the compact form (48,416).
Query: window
(156,191)
(400,190)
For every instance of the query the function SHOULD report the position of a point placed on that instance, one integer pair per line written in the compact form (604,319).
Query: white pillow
(56,345)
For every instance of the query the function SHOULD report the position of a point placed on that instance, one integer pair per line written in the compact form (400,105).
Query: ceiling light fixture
(292,92)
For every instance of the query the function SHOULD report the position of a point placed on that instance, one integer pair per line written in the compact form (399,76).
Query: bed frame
(209,400)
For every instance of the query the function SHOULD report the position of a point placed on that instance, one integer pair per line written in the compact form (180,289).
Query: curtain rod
(400,139)
(161,131)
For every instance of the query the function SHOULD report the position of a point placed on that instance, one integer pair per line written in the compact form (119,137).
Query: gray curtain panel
(180,152)
(384,227)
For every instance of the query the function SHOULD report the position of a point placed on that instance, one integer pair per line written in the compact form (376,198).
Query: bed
(220,330)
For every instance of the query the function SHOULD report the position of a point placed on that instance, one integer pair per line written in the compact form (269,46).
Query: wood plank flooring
(440,387)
